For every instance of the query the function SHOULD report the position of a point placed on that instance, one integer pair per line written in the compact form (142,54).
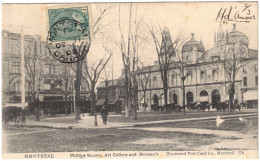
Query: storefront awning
(250,95)
(227,97)
(100,102)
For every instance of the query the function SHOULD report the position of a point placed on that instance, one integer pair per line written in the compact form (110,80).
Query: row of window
(203,77)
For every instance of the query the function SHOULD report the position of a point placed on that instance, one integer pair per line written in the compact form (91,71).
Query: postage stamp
(69,32)
(66,24)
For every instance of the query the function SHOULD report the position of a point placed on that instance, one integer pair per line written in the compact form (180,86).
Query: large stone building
(206,77)
(50,71)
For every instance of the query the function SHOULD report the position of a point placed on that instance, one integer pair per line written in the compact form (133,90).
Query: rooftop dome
(236,36)
(188,47)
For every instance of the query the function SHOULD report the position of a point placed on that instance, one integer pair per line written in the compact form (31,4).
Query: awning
(227,97)
(16,105)
(250,95)
(112,101)
(204,99)
(100,102)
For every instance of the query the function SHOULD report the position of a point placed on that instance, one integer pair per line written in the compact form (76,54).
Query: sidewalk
(87,122)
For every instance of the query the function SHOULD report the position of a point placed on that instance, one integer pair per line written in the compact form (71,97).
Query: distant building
(52,84)
(115,90)
(206,78)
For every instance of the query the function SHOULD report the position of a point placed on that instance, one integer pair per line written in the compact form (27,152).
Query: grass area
(104,140)
(167,116)
(249,126)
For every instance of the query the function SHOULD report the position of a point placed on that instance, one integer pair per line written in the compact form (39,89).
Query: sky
(180,18)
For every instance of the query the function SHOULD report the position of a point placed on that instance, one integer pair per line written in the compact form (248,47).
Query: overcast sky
(184,18)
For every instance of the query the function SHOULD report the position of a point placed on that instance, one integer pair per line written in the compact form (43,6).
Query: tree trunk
(93,103)
(145,100)
(126,95)
(36,108)
(66,102)
(165,86)
(183,95)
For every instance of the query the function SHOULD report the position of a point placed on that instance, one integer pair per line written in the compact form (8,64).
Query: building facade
(206,74)
(113,90)
(41,69)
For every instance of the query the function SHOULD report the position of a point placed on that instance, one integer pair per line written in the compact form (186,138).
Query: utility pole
(22,69)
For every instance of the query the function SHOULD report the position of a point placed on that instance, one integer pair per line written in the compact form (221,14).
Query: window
(189,78)
(16,86)
(154,78)
(244,69)
(245,81)
(256,80)
(173,76)
(120,92)
(214,76)
(202,76)
(256,67)
(16,67)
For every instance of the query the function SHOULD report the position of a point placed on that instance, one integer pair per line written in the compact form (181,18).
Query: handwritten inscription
(236,14)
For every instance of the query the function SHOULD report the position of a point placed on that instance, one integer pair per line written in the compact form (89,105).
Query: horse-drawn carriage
(199,106)
(13,112)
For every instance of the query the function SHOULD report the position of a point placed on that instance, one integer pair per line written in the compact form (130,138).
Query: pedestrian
(104,114)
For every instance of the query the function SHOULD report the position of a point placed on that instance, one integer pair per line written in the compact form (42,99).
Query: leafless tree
(166,50)
(34,74)
(129,49)
(67,80)
(97,28)
(92,75)
(143,78)
(235,58)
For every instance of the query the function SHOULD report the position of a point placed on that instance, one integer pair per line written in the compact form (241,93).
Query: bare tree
(130,54)
(34,74)
(84,47)
(67,80)
(143,78)
(92,74)
(166,50)
(235,58)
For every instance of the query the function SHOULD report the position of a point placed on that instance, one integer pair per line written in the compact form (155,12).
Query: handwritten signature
(233,13)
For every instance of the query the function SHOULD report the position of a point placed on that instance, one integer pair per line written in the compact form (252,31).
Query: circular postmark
(68,37)
(63,31)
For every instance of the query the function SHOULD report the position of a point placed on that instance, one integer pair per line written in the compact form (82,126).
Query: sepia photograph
(150,80)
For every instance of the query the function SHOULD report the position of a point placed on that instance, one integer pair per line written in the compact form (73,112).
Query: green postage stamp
(69,24)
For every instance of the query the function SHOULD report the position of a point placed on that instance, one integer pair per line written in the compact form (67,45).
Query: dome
(236,36)
(188,47)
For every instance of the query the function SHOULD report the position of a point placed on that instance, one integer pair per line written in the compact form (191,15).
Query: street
(196,135)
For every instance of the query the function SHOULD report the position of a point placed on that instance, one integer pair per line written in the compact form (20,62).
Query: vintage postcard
(161,80)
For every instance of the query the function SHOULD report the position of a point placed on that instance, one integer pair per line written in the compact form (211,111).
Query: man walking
(104,114)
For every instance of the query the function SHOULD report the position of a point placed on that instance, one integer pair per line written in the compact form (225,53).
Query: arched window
(203,93)
(16,86)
